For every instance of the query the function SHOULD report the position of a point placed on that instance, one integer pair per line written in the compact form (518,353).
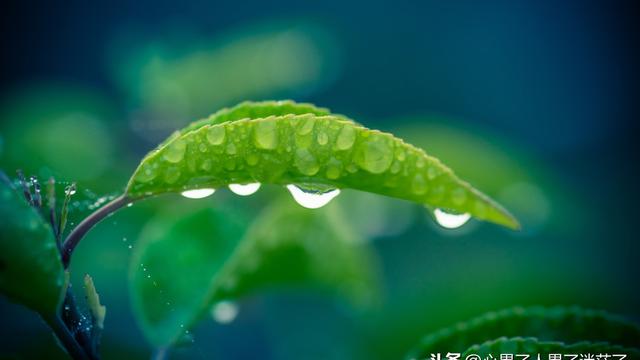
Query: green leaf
(326,151)
(251,110)
(569,325)
(31,271)
(292,245)
(180,269)
(174,263)
(533,346)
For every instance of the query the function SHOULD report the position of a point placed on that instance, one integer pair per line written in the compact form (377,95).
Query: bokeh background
(531,101)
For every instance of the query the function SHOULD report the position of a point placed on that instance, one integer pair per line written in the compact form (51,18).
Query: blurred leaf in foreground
(182,268)
(31,271)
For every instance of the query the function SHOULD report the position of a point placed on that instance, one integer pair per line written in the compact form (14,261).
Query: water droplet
(174,152)
(146,174)
(418,185)
(449,220)
(322,138)
(306,126)
(206,165)
(130,246)
(124,239)
(202,148)
(400,155)
(266,134)
(215,135)
(130,204)
(333,172)
(231,148)
(432,172)
(70,190)
(459,196)
(252,159)
(346,138)
(395,168)
(197,193)
(312,199)
(171,175)
(375,155)
(224,312)
(244,189)
(306,162)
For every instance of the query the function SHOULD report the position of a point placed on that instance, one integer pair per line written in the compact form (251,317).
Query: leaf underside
(286,246)
(287,143)
(31,271)
(567,325)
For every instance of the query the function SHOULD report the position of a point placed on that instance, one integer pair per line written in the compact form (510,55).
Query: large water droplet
(306,126)
(312,199)
(215,135)
(375,155)
(449,220)
(244,189)
(346,138)
(322,138)
(175,151)
(306,162)
(224,312)
(197,193)
(266,134)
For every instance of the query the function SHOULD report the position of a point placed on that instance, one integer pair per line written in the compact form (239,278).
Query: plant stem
(89,222)
(68,341)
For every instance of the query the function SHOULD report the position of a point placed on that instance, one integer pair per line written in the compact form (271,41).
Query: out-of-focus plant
(535,330)
(172,80)
(61,128)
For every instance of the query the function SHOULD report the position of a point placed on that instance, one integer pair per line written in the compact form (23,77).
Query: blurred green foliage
(286,245)
(31,271)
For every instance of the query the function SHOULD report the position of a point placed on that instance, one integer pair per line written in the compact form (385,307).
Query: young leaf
(314,149)
(569,325)
(31,271)
(180,269)
(533,346)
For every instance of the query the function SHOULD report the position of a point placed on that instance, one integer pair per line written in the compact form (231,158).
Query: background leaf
(569,325)
(291,245)
(31,271)
(534,346)
(177,273)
